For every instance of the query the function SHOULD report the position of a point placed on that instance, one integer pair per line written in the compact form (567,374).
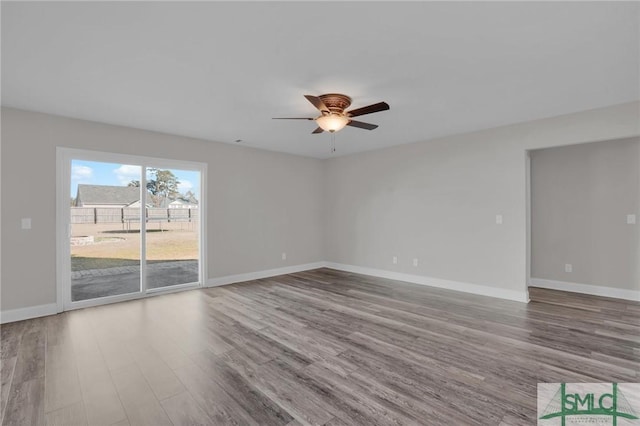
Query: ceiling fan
(333,116)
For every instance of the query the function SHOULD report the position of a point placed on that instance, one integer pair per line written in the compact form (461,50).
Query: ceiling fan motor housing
(336,102)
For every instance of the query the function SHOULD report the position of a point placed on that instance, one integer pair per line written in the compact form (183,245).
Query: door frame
(527,196)
(64,156)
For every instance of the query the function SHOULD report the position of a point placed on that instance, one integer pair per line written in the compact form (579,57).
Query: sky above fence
(98,173)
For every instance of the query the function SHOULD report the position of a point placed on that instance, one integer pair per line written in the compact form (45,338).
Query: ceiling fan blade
(292,118)
(317,102)
(318,130)
(380,106)
(361,125)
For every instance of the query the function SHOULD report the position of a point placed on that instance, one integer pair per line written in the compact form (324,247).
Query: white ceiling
(220,71)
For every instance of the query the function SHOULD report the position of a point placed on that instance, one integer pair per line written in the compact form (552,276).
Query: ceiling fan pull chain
(333,142)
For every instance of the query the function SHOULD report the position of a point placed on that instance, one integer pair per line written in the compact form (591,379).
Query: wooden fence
(130,214)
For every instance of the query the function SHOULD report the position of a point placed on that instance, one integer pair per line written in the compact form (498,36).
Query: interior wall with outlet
(442,201)
(260,204)
(585,200)
(435,202)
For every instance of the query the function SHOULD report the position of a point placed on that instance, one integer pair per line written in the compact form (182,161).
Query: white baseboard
(52,308)
(249,276)
(13,315)
(594,290)
(518,296)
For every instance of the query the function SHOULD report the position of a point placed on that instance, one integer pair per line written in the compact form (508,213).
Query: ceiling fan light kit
(333,116)
(332,122)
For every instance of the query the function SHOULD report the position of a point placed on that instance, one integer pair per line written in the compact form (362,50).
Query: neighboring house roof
(104,194)
(137,204)
(191,201)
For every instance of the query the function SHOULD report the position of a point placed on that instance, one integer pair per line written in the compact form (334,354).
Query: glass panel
(105,229)
(172,227)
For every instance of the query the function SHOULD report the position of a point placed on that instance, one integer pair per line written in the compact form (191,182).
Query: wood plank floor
(317,347)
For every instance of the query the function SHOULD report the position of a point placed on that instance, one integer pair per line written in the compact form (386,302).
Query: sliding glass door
(105,250)
(172,227)
(128,226)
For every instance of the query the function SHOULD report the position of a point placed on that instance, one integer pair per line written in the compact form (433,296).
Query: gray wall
(260,203)
(581,196)
(437,200)
(433,200)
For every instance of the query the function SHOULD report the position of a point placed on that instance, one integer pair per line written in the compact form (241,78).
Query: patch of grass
(114,248)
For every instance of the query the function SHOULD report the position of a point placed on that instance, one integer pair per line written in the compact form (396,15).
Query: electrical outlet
(498,219)
(631,219)
(284,256)
(568,267)
(26,223)
(415,261)
(395,260)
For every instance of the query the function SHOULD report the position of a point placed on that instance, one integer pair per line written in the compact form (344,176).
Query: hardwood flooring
(320,347)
